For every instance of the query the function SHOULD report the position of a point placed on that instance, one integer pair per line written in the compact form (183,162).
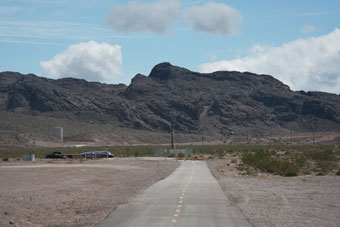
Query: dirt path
(73,194)
(306,201)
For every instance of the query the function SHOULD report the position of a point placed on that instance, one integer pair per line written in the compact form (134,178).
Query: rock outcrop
(221,103)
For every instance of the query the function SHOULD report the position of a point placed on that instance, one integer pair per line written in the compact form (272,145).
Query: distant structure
(58,132)
(28,157)
(187,152)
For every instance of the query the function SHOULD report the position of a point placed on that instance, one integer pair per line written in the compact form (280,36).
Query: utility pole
(225,138)
(172,135)
(314,129)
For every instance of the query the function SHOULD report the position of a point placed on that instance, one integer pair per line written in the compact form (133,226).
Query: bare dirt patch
(59,193)
(268,200)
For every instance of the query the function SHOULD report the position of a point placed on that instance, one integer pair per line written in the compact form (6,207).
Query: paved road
(190,196)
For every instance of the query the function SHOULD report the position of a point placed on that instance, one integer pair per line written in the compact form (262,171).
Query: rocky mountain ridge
(221,103)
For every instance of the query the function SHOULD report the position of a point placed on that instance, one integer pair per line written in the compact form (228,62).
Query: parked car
(56,154)
(97,154)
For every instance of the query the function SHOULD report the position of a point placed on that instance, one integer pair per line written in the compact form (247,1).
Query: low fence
(188,152)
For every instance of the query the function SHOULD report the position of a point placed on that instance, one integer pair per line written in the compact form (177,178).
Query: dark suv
(56,154)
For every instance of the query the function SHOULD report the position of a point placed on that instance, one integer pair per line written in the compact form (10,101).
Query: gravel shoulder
(268,201)
(69,193)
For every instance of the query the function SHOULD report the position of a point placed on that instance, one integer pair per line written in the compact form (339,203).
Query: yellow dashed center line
(182,195)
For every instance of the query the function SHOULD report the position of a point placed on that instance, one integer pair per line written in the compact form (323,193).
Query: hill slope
(218,104)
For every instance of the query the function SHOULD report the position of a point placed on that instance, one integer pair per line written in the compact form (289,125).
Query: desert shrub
(326,155)
(241,167)
(250,171)
(181,155)
(257,159)
(171,155)
(211,157)
(325,166)
(300,160)
(306,171)
(320,173)
(5,159)
(264,161)
(291,171)
(220,154)
(324,159)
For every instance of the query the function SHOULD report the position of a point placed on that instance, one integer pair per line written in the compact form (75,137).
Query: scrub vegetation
(284,160)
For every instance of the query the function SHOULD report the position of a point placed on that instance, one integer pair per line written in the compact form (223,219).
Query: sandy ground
(68,193)
(269,201)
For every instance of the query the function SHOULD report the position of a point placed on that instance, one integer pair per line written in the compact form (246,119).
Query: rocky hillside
(220,103)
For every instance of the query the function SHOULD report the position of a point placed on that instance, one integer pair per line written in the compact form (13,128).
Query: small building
(58,132)
(28,157)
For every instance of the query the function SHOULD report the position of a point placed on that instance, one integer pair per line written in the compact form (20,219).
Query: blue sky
(297,42)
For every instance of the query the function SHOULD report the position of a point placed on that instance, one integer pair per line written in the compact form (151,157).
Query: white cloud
(212,56)
(214,18)
(91,61)
(304,64)
(138,17)
(30,31)
(5,10)
(308,29)
(312,14)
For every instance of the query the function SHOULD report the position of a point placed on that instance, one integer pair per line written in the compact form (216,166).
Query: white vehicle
(97,154)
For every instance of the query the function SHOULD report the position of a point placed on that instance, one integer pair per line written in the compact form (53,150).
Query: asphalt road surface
(190,196)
